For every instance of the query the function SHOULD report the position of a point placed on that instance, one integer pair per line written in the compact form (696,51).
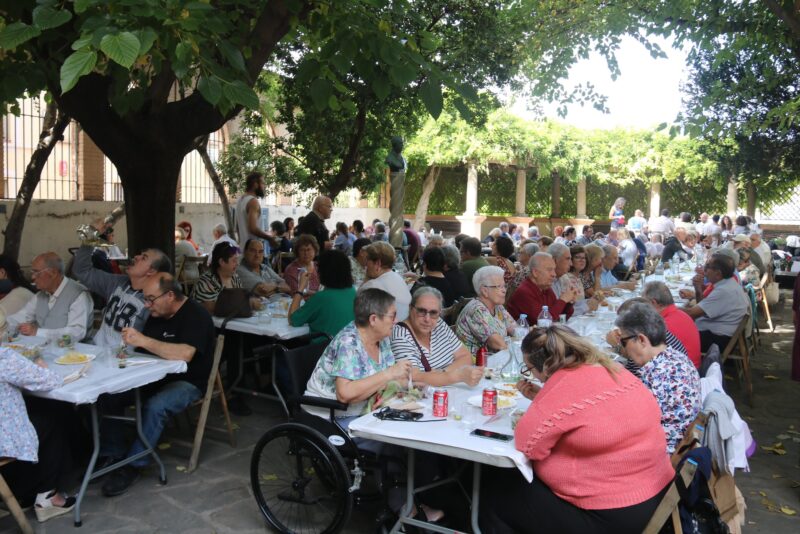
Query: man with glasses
(122,292)
(537,291)
(61,306)
(718,315)
(256,276)
(178,329)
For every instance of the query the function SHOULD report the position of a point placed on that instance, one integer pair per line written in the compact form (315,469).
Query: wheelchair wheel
(300,481)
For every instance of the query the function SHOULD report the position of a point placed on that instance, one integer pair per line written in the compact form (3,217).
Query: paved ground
(217,497)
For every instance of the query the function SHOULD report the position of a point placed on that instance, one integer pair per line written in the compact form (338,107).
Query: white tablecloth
(104,374)
(451,437)
(277,327)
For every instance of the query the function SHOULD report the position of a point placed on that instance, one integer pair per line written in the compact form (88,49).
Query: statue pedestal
(471,224)
(397,182)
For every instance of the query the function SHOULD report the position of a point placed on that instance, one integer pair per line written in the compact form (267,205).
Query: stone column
(522,179)
(470,220)
(91,167)
(733,195)
(397,184)
(655,199)
(555,201)
(582,199)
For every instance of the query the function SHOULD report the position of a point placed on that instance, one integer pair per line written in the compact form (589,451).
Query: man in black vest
(314,222)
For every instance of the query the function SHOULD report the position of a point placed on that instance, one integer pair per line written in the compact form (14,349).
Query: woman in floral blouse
(33,434)
(667,373)
(484,322)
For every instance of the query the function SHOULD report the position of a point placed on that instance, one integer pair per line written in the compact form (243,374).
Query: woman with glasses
(485,322)
(224,261)
(437,355)
(666,372)
(593,436)
(380,261)
(305,250)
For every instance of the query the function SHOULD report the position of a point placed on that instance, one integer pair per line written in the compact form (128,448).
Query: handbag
(233,302)
(772,293)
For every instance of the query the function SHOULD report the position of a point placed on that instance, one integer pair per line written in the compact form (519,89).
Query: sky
(646,94)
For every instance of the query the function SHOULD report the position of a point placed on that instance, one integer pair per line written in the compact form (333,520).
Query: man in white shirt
(61,307)
(662,224)
(761,248)
(713,229)
(701,226)
(220,233)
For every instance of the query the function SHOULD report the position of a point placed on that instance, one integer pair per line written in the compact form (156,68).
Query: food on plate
(71,358)
(507,393)
(28,352)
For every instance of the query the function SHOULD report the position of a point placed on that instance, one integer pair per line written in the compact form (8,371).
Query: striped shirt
(209,286)
(444,344)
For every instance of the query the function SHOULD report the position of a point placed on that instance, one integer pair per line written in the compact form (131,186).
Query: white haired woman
(438,356)
(485,322)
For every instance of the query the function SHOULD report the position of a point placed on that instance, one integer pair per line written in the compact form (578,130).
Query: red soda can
(489,404)
(480,357)
(440,403)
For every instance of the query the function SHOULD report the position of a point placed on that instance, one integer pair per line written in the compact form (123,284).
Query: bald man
(61,306)
(314,222)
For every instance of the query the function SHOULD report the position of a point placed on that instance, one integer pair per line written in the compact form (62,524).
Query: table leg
(476,492)
(90,468)
(148,446)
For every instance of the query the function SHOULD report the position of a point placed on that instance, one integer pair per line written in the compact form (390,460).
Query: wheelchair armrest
(319,402)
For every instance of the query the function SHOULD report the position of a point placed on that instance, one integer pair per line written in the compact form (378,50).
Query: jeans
(160,401)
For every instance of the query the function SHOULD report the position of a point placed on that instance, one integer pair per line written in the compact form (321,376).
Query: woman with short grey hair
(667,373)
(484,322)
(437,355)
(452,272)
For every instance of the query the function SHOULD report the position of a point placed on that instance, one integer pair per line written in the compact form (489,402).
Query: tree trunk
(751,199)
(555,211)
(353,155)
(53,126)
(424,199)
(202,149)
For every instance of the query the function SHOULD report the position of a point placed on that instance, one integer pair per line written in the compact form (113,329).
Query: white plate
(508,386)
(502,402)
(89,357)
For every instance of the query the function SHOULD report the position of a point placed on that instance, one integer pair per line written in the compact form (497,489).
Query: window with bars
(20,135)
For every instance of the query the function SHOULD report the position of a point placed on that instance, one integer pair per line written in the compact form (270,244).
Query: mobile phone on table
(481,433)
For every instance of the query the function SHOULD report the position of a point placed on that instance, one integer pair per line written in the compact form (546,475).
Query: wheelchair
(307,474)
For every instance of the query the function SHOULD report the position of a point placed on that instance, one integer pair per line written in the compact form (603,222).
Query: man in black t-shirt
(178,329)
(314,222)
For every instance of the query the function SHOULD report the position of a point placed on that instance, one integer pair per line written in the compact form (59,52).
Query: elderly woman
(34,433)
(380,260)
(433,274)
(359,363)
(484,322)
(329,310)
(437,355)
(15,291)
(452,271)
(599,466)
(305,250)
(435,240)
(523,270)
(667,373)
(224,262)
(748,273)
(358,261)
(183,250)
(502,250)
(592,269)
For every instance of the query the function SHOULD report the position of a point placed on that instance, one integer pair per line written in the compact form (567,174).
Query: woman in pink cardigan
(594,436)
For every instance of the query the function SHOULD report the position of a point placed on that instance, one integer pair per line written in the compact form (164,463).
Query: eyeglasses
(393,316)
(35,273)
(148,301)
(624,340)
(525,371)
(433,314)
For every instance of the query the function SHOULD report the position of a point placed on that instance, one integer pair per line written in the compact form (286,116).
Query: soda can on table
(440,403)
(480,357)
(489,404)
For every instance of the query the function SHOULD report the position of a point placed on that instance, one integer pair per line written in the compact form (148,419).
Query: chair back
(300,363)
(450,315)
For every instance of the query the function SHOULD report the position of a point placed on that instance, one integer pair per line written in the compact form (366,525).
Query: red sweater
(595,439)
(529,299)
(682,326)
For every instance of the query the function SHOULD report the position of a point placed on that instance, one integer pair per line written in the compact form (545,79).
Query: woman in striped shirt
(436,354)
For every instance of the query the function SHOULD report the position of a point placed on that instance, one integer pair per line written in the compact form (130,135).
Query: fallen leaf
(269,477)
(771,377)
(783,436)
(234,426)
(788,511)
(795,432)
(795,484)
(181,468)
(728,377)
(791,426)
(763,494)
(775,475)
(164,446)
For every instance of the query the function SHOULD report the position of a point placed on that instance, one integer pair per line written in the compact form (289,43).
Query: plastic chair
(11,502)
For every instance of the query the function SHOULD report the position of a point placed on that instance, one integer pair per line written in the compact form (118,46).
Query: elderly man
(60,307)
(533,233)
(637,223)
(563,259)
(471,260)
(678,322)
(743,241)
(586,235)
(610,262)
(703,224)
(453,273)
(314,222)
(413,241)
(537,291)
(761,249)
(674,244)
(504,229)
(257,277)
(122,292)
(662,224)
(220,233)
(178,329)
(248,210)
(718,315)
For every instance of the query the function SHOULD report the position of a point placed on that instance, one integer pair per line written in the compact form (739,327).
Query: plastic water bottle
(523,327)
(545,320)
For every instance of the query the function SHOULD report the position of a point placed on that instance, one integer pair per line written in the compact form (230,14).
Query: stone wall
(51,224)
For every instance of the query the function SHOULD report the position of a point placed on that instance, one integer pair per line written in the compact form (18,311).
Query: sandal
(45,509)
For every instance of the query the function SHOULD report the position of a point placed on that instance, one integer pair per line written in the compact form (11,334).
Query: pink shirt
(596,439)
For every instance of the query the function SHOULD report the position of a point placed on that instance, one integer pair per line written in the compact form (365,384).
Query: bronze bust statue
(395,159)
